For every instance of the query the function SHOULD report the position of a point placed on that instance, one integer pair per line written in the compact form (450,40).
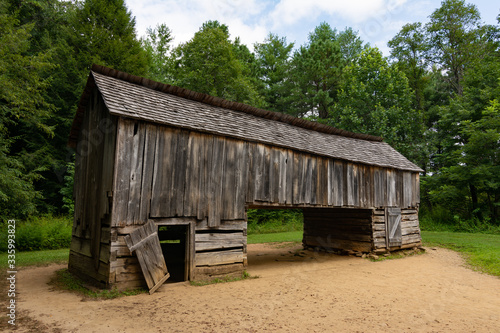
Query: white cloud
(184,18)
(289,12)
(252,20)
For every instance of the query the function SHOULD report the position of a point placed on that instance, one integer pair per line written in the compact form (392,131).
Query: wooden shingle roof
(135,97)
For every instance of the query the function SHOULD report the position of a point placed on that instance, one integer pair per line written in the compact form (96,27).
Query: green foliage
(157,46)
(456,39)
(409,48)
(467,181)
(23,116)
(44,233)
(316,72)
(106,35)
(481,251)
(273,66)
(209,64)
(440,218)
(274,220)
(375,99)
(437,102)
(67,190)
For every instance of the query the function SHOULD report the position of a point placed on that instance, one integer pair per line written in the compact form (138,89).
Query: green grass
(291,236)
(482,251)
(37,258)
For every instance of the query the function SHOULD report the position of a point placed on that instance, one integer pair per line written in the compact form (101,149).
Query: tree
(208,64)
(457,39)
(103,32)
(23,114)
(72,36)
(316,72)
(409,47)
(273,64)
(157,46)
(375,98)
(350,44)
(467,131)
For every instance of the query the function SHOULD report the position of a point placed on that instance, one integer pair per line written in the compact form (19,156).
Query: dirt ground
(297,291)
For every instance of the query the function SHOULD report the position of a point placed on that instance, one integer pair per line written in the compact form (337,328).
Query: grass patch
(37,258)
(280,237)
(244,276)
(39,233)
(66,281)
(398,255)
(482,251)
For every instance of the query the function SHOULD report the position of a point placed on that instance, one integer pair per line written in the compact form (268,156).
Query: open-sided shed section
(192,164)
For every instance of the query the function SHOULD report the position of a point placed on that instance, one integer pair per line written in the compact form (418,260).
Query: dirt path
(315,292)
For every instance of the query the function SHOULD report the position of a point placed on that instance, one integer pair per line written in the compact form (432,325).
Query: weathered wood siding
(94,163)
(338,228)
(140,171)
(175,172)
(410,230)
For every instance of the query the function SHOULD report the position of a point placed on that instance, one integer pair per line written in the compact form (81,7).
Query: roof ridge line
(235,106)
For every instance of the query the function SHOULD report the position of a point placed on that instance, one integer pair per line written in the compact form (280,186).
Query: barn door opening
(174,241)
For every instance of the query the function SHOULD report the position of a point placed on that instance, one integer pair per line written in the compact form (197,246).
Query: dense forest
(436,98)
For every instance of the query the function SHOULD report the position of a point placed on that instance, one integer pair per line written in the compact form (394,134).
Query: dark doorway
(174,241)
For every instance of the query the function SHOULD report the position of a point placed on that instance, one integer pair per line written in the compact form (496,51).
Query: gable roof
(139,98)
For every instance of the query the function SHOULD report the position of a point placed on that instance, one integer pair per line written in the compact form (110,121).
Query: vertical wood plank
(122,171)
(323,181)
(229,181)
(179,174)
(136,172)
(266,188)
(391,187)
(259,165)
(282,185)
(289,176)
(206,151)
(314,180)
(193,174)
(216,168)
(250,183)
(330,182)
(148,169)
(338,183)
(274,174)
(345,181)
(362,170)
(407,189)
(297,175)
(241,179)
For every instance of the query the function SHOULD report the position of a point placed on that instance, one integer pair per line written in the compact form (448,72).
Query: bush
(262,221)
(40,233)
(441,219)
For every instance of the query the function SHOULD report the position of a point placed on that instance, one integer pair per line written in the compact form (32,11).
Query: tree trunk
(473,195)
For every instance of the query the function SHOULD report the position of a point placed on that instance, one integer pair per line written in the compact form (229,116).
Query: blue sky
(377,21)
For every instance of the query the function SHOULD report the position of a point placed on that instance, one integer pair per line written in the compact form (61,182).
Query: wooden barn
(162,170)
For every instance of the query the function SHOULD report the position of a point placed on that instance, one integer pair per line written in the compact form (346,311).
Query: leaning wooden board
(144,241)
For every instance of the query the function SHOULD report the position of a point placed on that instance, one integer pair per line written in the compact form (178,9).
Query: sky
(377,21)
